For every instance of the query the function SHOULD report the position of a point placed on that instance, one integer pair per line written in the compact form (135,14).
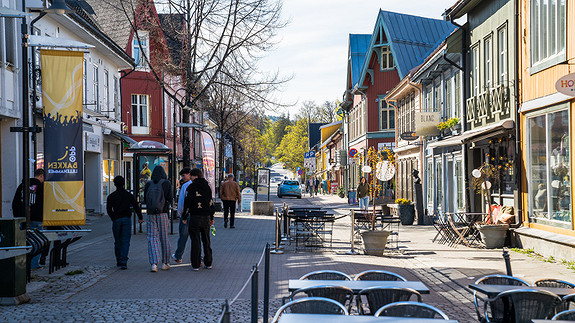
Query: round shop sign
(366,169)
(352,152)
(566,84)
(384,171)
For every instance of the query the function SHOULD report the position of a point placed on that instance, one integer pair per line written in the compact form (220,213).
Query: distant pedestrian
(182,228)
(310,186)
(316,185)
(36,200)
(230,193)
(199,211)
(158,197)
(118,206)
(363,193)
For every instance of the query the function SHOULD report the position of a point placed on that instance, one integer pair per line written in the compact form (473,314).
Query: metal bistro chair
(411,309)
(311,305)
(379,275)
(551,282)
(569,299)
(496,307)
(524,305)
(568,315)
(326,275)
(341,294)
(376,297)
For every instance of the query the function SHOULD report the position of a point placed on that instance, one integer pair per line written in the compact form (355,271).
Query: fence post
(267,283)
(255,294)
(507,262)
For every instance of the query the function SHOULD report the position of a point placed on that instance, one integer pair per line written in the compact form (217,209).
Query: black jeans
(199,229)
(229,207)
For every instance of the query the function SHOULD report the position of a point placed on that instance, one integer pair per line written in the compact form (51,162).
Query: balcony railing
(489,104)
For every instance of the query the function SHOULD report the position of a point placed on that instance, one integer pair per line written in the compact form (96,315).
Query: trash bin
(13,270)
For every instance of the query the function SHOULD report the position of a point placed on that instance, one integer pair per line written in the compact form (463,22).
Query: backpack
(155,199)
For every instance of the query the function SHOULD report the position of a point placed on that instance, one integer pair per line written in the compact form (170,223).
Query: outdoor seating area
(362,220)
(370,296)
(501,298)
(458,228)
(311,227)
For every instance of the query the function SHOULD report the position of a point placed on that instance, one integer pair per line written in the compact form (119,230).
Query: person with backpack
(158,198)
(118,206)
(199,210)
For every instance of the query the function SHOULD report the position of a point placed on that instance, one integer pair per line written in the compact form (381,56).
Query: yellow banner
(62,89)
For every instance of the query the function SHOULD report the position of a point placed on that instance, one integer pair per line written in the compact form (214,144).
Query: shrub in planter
(406,211)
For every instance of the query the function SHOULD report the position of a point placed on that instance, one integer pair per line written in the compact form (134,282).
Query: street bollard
(285,221)
(226,316)
(255,294)
(352,250)
(267,283)
(277,249)
(507,262)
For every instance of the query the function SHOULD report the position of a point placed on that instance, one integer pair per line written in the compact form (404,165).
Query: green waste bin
(13,270)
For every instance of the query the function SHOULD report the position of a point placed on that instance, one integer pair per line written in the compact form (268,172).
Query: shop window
(459,184)
(439,181)
(547,30)
(386,58)
(429,180)
(549,169)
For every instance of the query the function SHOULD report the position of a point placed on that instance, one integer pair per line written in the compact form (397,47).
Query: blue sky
(313,47)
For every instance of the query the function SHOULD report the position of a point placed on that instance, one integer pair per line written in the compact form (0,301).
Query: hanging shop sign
(566,85)
(408,136)
(62,89)
(426,123)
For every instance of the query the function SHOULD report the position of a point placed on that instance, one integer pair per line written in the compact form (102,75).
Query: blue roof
(410,38)
(358,45)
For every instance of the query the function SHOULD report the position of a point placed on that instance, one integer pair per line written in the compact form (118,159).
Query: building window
(8,55)
(460,185)
(430,177)
(106,93)
(117,109)
(448,92)
(387,118)
(439,180)
(85,82)
(141,48)
(547,30)
(437,97)
(140,113)
(549,169)
(457,92)
(96,91)
(488,62)
(502,54)
(475,70)
(386,58)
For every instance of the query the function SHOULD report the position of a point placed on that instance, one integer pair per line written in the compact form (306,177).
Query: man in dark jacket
(118,207)
(199,208)
(36,208)
(158,221)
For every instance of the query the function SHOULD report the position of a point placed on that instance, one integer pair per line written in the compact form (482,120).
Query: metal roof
(410,38)
(358,45)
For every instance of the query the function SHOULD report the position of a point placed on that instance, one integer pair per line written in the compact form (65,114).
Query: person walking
(36,200)
(230,193)
(363,193)
(182,228)
(199,211)
(118,206)
(158,197)
(316,185)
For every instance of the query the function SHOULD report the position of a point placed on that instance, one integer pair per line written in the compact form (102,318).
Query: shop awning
(455,141)
(123,137)
(487,131)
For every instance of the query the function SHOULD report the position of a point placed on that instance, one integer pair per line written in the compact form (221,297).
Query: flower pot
(406,213)
(374,242)
(493,235)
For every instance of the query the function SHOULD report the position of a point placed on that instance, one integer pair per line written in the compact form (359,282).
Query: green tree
(293,145)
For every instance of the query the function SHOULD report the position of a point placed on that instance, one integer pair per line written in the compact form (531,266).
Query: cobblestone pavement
(97,292)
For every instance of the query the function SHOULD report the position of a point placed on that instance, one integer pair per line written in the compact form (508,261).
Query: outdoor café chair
(326,275)
(569,299)
(496,307)
(311,305)
(568,315)
(524,305)
(376,297)
(411,309)
(341,294)
(551,282)
(379,275)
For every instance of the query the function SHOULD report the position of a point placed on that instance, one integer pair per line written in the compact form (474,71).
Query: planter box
(374,242)
(406,213)
(493,235)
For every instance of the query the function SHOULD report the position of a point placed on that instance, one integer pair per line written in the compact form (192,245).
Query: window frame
(502,54)
(474,70)
(139,37)
(96,87)
(542,56)
(387,57)
(389,110)
(139,128)
(488,62)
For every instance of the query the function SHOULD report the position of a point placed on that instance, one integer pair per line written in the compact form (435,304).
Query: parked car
(289,187)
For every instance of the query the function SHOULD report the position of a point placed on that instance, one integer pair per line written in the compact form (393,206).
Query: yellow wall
(539,85)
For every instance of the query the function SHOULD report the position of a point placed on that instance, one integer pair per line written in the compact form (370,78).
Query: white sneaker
(176,260)
(165,266)
(154,268)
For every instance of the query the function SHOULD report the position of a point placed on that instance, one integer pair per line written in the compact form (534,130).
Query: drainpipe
(518,176)
(464,112)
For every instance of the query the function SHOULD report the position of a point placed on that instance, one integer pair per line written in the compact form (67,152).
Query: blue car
(289,187)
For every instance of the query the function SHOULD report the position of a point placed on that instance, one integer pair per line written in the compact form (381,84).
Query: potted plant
(493,235)
(448,124)
(405,211)
(341,191)
(374,241)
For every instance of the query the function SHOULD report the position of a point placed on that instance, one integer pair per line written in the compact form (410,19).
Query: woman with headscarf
(158,197)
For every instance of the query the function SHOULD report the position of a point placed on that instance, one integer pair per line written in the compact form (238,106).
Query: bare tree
(325,113)
(216,37)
